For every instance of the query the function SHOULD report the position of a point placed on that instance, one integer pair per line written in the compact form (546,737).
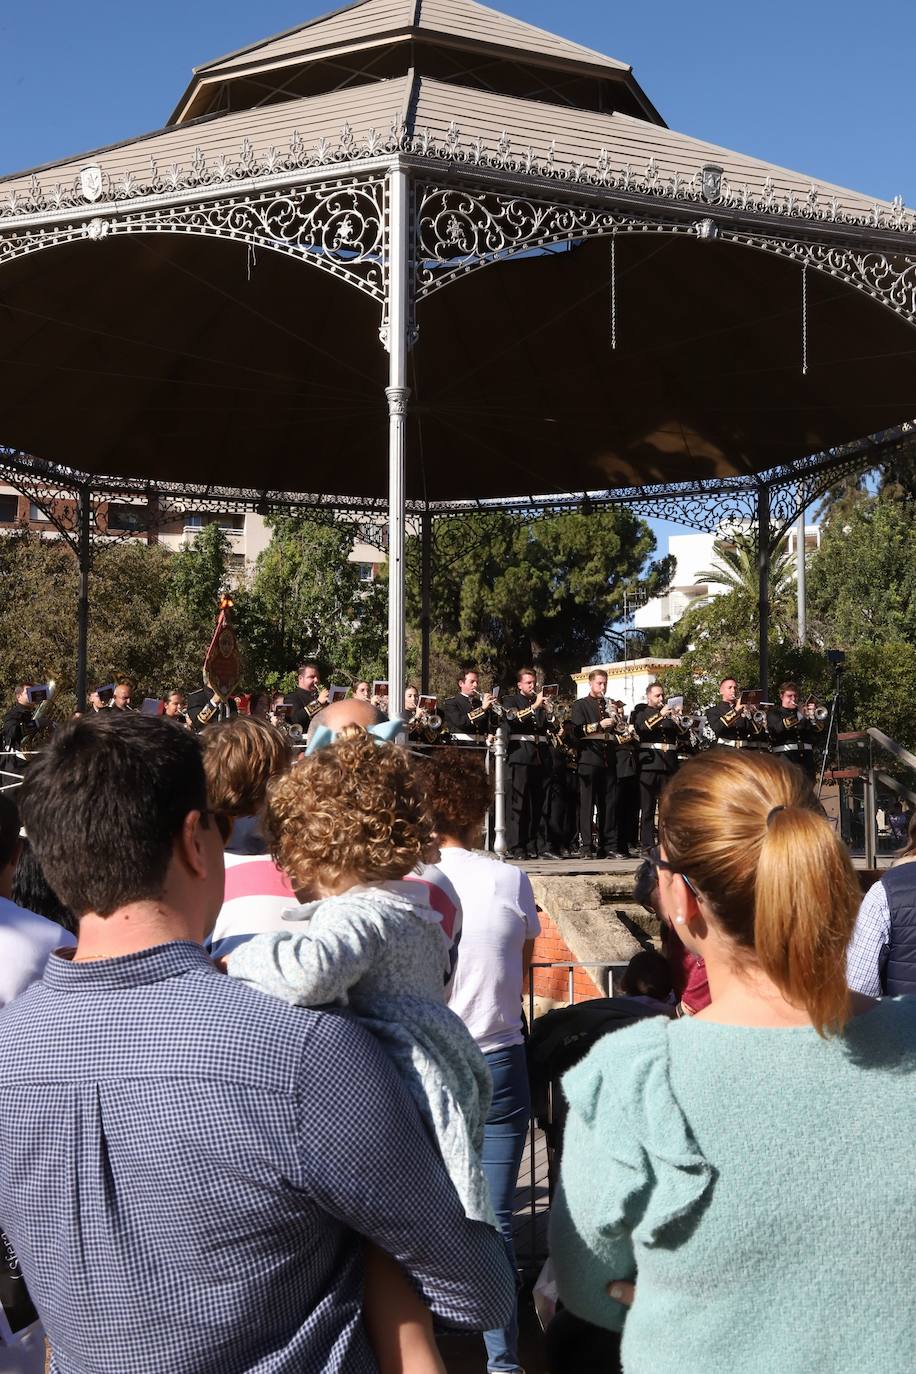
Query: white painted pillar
(397,391)
(802,587)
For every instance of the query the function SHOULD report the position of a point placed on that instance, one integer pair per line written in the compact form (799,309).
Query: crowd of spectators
(310,1164)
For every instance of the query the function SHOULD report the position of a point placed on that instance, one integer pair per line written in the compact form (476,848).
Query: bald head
(350,712)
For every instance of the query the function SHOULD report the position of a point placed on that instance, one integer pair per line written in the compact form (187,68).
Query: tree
(736,568)
(547,591)
(306,601)
(199,574)
(862,579)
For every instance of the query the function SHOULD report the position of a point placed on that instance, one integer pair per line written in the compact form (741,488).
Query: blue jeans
(503,1146)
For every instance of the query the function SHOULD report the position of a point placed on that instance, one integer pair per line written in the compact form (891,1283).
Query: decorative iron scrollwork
(337,226)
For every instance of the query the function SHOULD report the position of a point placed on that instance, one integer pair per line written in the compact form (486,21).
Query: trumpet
(686,721)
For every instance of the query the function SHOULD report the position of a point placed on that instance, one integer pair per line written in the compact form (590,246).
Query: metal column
(84,555)
(802,571)
(426,563)
(397,391)
(763,583)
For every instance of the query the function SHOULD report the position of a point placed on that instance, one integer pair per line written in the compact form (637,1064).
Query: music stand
(833,722)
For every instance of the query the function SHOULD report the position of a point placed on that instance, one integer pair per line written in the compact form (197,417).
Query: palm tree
(735,568)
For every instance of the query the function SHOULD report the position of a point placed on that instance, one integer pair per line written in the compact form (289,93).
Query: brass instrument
(686,721)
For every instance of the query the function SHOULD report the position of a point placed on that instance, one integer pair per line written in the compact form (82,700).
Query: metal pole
(426,568)
(763,582)
(802,588)
(499,788)
(397,392)
(871,818)
(82,633)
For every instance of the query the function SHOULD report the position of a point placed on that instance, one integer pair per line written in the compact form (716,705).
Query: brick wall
(552,984)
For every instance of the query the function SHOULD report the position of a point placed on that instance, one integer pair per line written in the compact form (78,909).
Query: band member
(733,725)
(793,732)
(176,709)
(527,749)
(307,699)
(120,701)
(411,702)
(594,723)
(627,785)
(467,715)
(214,709)
(18,728)
(560,817)
(363,692)
(658,744)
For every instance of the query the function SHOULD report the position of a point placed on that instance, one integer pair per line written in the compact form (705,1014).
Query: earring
(679,920)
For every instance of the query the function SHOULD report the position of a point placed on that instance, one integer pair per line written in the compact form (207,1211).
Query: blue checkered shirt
(187,1167)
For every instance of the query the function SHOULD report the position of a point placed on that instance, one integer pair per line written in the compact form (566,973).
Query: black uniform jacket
(523,753)
(597,747)
(785,727)
(18,726)
(728,722)
(654,728)
(465,716)
(305,704)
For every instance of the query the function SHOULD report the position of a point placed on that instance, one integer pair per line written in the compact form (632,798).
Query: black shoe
(549,854)
(617,854)
(580,854)
(517,853)
(532,854)
(603,854)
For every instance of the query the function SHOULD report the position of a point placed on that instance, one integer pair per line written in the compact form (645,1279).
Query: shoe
(580,854)
(517,854)
(532,854)
(549,854)
(603,854)
(617,854)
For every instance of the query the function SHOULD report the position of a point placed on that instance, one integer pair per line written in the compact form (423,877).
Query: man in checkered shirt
(187,1167)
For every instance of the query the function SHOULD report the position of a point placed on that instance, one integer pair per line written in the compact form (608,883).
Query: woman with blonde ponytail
(746,1165)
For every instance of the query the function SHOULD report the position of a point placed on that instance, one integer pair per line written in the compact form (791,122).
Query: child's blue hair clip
(386,733)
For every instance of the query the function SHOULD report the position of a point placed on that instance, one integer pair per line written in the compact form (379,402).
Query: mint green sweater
(761,1184)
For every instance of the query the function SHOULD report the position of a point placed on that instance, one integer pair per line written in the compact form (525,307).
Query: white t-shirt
(499,915)
(26,940)
(256,895)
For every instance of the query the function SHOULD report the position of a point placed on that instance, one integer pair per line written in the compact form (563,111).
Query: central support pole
(397,392)
(802,582)
(763,584)
(84,554)
(426,572)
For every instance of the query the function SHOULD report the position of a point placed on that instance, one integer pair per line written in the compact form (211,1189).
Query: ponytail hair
(748,831)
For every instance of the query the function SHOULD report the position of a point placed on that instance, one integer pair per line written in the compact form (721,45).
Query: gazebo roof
(440,36)
(557,136)
(143,347)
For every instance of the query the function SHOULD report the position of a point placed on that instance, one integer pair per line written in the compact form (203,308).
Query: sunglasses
(222,821)
(670,868)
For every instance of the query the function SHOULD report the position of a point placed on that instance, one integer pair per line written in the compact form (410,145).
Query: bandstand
(662,323)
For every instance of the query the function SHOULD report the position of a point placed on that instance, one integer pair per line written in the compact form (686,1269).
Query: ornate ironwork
(703,184)
(461,229)
(337,226)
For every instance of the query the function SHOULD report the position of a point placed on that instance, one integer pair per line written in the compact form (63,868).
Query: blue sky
(820,86)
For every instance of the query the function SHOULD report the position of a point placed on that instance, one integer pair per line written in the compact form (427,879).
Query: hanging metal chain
(614,289)
(804,319)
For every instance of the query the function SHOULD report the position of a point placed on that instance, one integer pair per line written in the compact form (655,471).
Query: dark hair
(465,668)
(789,687)
(729,677)
(456,788)
(647,975)
(9,829)
(597,672)
(103,804)
(307,663)
(645,883)
(31,890)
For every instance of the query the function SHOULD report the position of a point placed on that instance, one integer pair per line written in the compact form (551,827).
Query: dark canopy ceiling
(160,357)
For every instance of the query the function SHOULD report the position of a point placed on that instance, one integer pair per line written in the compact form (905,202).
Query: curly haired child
(348,825)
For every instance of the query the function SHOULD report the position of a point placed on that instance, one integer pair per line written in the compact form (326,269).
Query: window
(36,514)
(365,572)
(132,519)
(194,520)
(231,524)
(9,509)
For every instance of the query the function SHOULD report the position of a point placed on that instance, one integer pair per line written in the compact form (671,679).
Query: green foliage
(862,580)
(735,566)
(306,601)
(199,574)
(879,688)
(508,591)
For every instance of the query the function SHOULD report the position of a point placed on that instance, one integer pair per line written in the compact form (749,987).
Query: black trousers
(560,815)
(628,811)
(526,800)
(598,796)
(650,789)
